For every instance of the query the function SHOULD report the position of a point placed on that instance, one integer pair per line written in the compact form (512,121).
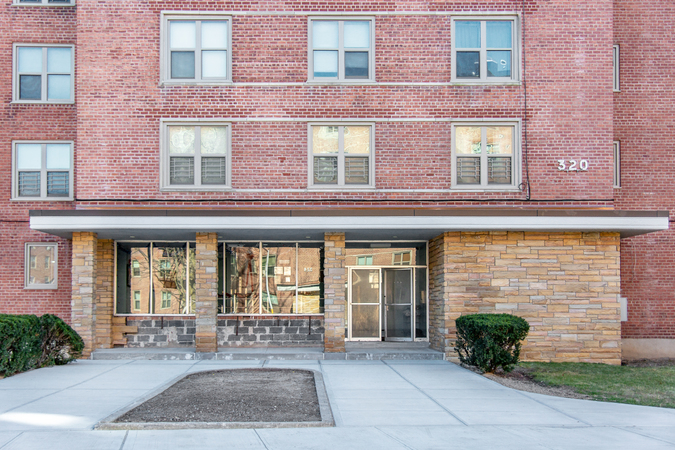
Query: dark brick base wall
(232,332)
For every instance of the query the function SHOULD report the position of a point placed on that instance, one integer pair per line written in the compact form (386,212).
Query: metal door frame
(350,304)
(383,301)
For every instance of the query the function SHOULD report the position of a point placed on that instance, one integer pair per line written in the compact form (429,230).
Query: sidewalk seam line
(643,435)
(262,441)
(124,440)
(12,440)
(394,438)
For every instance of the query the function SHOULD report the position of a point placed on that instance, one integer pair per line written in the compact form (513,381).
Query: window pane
(182,140)
(356,170)
(58,60)
(170,279)
(357,140)
(357,34)
(30,59)
(182,64)
(365,286)
(58,156)
(214,64)
(58,87)
(278,278)
(310,279)
(356,64)
(214,35)
(420,303)
(133,278)
(43,271)
(326,64)
(183,34)
(58,184)
(468,140)
(29,156)
(325,170)
(182,171)
(214,140)
(324,34)
(467,34)
(500,140)
(499,170)
(214,171)
(242,282)
(499,63)
(468,170)
(468,64)
(324,140)
(29,184)
(498,34)
(30,87)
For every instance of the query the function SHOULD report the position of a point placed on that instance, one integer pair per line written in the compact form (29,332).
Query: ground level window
(41,266)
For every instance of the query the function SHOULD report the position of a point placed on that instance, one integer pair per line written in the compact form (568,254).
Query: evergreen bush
(490,341)
(29,342)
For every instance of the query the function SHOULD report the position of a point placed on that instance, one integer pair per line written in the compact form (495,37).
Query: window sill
(38,287)
(485,83)
(41,199)
(195,189)
(39,102)
(508,189)
(341,82)
(334,188)
(169,83)
(48,5)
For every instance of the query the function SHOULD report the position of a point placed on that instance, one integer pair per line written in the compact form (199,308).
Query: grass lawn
(641,384)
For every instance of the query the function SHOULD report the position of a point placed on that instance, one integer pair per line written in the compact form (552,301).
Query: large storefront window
(253,278)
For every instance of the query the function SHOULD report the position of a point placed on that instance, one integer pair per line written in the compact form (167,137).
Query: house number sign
(572,165)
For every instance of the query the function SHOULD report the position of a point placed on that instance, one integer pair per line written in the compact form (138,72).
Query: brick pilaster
(206,292)
(105,268)
(83,303)
(335,294)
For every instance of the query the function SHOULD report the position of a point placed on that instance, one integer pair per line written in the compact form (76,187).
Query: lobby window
(341,50)
(41,266)
(42,170)
(341,156)
(485,155)
(484,50)
(43,74)
(195,156)
(196,49)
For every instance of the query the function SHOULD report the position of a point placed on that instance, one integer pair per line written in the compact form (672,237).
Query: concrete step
(288,353)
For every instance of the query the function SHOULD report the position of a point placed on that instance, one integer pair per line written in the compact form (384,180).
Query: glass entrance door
(397,299)
(365,304)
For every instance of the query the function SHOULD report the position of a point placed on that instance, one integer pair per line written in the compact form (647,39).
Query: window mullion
(341,51)
(483,157)
(198,50)
(43,171)
(260,274)
(198,156)
(187,278)
(43,76)
(483,50)
(341,156)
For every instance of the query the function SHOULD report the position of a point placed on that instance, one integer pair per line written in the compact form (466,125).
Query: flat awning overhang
(358,224)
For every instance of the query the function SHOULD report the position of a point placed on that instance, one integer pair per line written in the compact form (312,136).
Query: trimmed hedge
(490,341)
(30,342)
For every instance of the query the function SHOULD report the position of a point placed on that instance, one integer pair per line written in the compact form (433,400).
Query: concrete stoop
(354,351)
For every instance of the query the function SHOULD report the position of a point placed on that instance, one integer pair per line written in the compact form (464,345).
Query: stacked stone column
(83,303)
(335,293)
(105,275)
(206,292)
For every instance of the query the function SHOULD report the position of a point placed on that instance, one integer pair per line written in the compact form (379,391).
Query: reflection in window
(40,265)
(386,254)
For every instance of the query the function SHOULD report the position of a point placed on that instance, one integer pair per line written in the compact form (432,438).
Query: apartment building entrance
(381,304)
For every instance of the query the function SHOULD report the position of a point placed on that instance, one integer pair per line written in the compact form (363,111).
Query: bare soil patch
(234,395)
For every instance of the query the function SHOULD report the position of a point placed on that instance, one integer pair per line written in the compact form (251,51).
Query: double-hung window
(195,156)
(484,50)
(196,49)
(341,155)
(42,170)
(341,50)
(485,155)
(43,74)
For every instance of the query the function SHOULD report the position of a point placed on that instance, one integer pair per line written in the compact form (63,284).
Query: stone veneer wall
(335,302)
(232,332)
(206,288)
(564,284)
(105,275)
(83,303)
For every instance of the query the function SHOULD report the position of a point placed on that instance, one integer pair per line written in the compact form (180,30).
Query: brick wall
(645,126)
(564,284)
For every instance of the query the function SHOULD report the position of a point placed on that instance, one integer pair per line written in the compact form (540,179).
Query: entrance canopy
(358,224)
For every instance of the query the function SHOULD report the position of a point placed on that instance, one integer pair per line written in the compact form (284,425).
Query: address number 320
(573,165)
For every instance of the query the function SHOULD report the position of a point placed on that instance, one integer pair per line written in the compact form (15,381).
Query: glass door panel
(365,304)
(398,304)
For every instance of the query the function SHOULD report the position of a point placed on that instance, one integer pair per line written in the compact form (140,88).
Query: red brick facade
(563,102)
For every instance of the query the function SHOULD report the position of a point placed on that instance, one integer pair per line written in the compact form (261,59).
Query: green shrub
(29,342)
(489,341)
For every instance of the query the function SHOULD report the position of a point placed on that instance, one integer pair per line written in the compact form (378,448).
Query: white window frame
(615,68)
(617,164)
(165,181)
(516,163)
(165,48)
(515,49)
(340,79)
(43,174)
(16,79)
(27,265)
(340,185)
(43,3)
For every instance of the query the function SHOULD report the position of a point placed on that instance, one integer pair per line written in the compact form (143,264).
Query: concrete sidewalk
(376,405)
